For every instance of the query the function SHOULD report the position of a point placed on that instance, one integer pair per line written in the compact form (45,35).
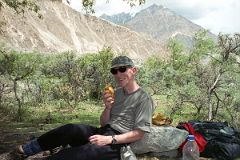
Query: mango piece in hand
(110,90)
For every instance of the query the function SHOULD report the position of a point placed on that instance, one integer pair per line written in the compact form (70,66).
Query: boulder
(160,139)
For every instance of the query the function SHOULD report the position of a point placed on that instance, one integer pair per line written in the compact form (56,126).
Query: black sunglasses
(121,69)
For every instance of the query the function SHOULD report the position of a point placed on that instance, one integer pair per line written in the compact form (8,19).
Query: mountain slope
(64,29)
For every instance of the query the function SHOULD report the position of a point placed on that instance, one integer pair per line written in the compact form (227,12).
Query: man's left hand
(100,140)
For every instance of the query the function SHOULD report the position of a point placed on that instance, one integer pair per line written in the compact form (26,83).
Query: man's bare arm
(128,137)
(105,116)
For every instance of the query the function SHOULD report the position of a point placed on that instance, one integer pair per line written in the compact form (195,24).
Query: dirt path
(13,133)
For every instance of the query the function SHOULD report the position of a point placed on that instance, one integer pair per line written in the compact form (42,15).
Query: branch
(23,76)
(215,83)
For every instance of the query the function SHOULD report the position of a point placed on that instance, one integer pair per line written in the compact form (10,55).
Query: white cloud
(226,19)
(111,7)
(215,15)
(76,4)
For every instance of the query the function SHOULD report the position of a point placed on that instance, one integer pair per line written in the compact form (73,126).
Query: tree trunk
(19,112)
(210,109)
(210,91)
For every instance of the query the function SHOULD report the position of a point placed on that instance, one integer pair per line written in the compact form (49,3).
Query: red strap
(201,142)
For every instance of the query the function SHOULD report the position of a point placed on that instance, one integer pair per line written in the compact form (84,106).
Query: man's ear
(134,69)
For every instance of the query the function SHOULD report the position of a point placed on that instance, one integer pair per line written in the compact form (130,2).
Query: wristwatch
(114,141)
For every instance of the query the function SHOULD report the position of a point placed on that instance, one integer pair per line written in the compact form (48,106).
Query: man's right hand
(108,99)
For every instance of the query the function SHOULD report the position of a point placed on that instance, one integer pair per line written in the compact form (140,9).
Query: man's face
(124,75)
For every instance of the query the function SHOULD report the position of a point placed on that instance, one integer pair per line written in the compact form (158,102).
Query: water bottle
(190,149)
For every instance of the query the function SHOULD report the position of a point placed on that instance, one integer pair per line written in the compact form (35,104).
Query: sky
(215,15)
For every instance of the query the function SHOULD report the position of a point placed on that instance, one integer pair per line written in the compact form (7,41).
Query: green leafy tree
(67,79)
(95,69)
(16,68)
(200,78)
(226,69)
(151,75)
(216,74)
(204,80)
(20,5)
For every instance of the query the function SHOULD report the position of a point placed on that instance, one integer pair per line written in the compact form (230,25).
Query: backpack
(223,141)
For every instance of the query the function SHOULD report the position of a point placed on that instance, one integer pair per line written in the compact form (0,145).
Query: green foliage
(96,71)
(133,3)
(175,47)
(150,75)
(16,67)
(200,84)
(31,79)
(20,5)
(88,5)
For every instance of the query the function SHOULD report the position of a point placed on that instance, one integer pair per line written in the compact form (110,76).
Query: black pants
(76,135)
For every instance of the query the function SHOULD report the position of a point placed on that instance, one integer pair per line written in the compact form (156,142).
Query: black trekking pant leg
(88,152)
(72,134)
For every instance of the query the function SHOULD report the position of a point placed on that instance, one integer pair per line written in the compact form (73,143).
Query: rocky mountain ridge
(160,23)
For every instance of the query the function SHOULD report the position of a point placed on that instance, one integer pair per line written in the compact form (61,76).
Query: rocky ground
(8,156)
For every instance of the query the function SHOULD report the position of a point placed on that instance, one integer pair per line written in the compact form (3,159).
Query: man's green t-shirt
(131,111)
